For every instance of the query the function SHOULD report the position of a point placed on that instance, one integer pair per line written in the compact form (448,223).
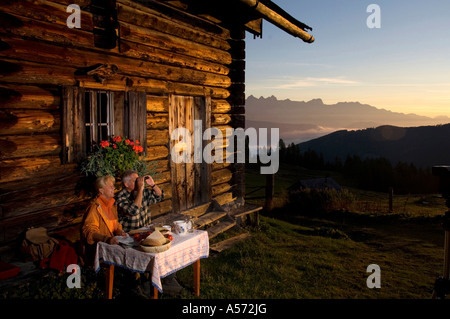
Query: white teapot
(182,227)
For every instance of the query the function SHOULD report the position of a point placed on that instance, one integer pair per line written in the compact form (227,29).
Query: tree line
(376,174)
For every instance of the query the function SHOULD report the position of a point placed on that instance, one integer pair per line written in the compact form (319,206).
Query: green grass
(304,259)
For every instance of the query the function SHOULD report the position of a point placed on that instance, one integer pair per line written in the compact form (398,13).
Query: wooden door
(191,178)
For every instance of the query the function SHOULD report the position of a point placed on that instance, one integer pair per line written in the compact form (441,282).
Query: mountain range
(300,121)
(424,146)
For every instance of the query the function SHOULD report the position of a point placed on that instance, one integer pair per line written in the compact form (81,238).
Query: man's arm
(125,205)
(155,188)
(140,192)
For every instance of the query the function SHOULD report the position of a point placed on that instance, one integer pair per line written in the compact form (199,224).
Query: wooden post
(109,281)
(155,293)
(270,191)
(196,266)
(391,195)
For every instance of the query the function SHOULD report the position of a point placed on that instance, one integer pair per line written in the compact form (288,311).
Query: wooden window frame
(96,122)
(127,117)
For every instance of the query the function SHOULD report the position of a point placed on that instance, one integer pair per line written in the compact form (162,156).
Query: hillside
(423,145)
(300,121)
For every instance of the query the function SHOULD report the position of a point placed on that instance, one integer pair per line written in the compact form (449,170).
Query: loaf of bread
(154,239)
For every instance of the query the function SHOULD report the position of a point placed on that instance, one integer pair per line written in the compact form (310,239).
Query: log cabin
(148,66)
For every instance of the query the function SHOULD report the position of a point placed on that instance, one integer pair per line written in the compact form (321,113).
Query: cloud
(314,82)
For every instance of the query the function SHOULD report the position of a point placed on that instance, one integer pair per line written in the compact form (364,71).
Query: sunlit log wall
(161,52)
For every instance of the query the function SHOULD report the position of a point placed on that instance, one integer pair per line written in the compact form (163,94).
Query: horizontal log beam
(167,187)
(162,177)
(197,90)
(35,167)
(157,121)
(181,17)
(14,71)
(28,121)
(157,137)
(61,56)
(157,103)
(220,106)
(154,54)
(17,146)
(161,208)
(224,198)
(52,218)
(152,21)
(220,176)
(47,11)
(33,29)
(39,187)
(29,182)
(44,201)
(220,119)
(29,97)
(171,43)
(156,152)
(116,83)
(218,166)
(219,189)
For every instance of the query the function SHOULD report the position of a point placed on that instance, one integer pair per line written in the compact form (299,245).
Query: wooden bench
(246,210)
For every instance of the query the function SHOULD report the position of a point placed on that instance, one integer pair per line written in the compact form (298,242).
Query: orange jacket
(97,221)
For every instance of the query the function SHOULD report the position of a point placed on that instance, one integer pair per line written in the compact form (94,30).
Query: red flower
(104,144)
(114,146)
(137,142)
(138,149)
(117,139)
(127,141)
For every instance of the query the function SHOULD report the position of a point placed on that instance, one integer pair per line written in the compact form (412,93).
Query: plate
(156,249)
(127,241)
(140,230)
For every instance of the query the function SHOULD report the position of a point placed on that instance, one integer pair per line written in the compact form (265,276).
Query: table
(184,251)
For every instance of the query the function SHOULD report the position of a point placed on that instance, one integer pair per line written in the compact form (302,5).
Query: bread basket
(156,249)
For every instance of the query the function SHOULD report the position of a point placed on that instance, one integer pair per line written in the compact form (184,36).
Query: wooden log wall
(161,52)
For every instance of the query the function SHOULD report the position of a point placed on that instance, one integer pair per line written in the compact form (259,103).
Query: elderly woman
(100,223)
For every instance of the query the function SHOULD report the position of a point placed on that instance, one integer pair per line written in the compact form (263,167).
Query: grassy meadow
(293,256)
(327,256)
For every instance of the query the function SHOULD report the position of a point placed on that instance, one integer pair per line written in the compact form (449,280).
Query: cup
(180,227)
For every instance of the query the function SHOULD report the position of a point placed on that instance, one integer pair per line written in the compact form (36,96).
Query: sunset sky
(404,66)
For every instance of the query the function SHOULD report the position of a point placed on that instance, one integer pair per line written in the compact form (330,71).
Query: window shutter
(74,130)
(136,117)
(119,117)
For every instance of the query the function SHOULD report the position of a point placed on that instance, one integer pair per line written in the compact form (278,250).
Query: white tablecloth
(184,251)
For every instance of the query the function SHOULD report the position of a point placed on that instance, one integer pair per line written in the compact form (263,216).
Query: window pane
(103,108)
(103,123)
(87,108)
(88,120)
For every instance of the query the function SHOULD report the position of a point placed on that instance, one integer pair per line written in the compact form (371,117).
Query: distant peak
(316,101)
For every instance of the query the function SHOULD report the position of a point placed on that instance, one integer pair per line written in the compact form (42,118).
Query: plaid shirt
(132,217)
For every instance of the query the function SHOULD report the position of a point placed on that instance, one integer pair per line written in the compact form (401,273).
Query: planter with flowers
(115,157)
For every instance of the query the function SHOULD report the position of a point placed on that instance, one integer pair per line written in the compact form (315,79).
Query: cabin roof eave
(247,12)
(271,12)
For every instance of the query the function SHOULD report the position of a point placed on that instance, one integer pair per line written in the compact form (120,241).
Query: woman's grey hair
(101,181)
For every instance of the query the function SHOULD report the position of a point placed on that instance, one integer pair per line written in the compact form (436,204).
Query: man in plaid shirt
(134,199)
